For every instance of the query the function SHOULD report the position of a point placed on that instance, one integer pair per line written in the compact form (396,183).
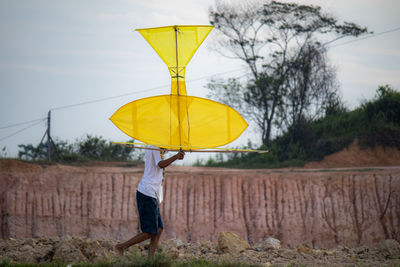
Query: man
(148,196)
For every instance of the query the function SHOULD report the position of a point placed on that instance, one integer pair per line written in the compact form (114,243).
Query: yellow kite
(178,121)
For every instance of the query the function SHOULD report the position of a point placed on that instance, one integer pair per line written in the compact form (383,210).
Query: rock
(27,254)
(173,253)
(207,244)
(93,251)
(207,247)
(138,250)
(173,243)
(303,249)
(66,252)
(171,247)
(25,250)
(390,248)
(231,243)
(193,249)
(288,254)
(343,248)
(269,243)
(361,250)
(108,244)
(44,252)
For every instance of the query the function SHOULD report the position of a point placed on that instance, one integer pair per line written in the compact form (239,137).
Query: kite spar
(178,121)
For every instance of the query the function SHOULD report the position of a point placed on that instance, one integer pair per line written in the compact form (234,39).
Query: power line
(23,129)
(138,92)
(367,37)
(220,73)
(20,123)
(105,98)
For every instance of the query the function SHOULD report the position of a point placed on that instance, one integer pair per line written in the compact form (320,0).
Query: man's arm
(166,162)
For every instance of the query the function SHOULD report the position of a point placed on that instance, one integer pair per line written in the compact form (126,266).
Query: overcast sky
(54,54)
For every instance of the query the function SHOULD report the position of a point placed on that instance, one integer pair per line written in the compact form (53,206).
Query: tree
(310,87)
(277,40)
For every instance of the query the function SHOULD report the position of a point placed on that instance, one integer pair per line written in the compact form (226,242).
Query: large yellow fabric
(178,120)
(176,45)
(173,121)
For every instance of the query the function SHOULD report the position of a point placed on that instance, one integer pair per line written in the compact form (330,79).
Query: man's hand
(181,155)
(165,163)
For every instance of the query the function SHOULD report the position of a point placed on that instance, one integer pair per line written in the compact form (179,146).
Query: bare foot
(119,250)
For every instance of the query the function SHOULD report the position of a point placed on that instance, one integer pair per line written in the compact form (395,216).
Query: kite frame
(195,149)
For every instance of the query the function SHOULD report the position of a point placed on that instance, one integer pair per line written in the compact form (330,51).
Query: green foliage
(382,119)
(5,263)
(96,148)
(88,148)
(376,122)
(160,259)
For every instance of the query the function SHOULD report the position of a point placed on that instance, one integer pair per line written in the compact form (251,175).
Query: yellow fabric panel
(176,45)
(172,120)
(165,39)
(178,84)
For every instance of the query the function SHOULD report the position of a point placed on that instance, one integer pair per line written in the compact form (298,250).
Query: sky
(83,60)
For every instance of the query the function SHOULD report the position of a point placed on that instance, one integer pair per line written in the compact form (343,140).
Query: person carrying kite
(148,196)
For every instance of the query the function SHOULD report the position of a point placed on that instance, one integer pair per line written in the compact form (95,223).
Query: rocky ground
(229,248)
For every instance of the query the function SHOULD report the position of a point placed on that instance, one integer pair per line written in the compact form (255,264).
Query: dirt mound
(354,156)
(72,249)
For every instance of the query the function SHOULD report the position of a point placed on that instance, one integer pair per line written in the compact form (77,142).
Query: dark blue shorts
(149,214)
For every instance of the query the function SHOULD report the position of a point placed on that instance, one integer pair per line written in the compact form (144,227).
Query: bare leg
(119,248)
(154,243)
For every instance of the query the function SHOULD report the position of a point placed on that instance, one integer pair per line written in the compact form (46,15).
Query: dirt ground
(70,250)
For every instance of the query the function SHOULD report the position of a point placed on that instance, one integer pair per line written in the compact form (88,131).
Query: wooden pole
(48,137)
(177,86)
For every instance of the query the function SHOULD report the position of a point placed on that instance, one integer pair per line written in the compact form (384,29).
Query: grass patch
(5,263)
(205,263)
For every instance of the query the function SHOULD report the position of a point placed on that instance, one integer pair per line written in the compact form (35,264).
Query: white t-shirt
(151,183)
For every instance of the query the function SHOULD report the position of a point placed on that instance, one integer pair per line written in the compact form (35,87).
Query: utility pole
(48,136)
(49,140)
